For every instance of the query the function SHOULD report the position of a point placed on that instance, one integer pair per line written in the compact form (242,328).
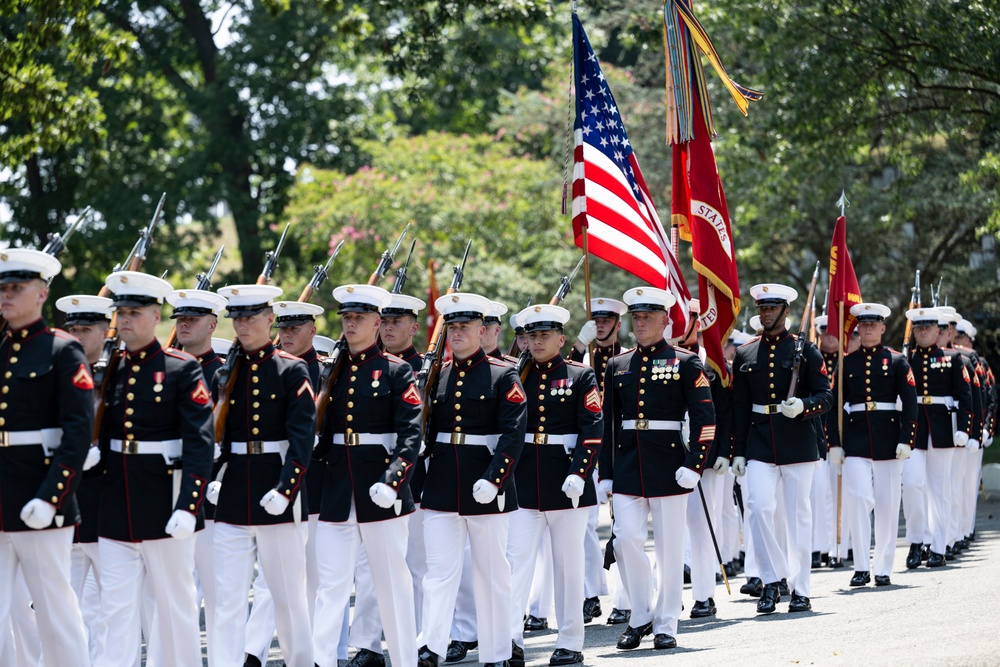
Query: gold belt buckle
(4,439)
(352,439)
(255,447)
(641,424)
(458,438)
(771,409)
(870,405)
(541,438)
(927,400)
(130,447)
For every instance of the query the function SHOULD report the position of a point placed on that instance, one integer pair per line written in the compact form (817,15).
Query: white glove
(604,490)
(791,408)
(573,486)
(987,438)
(739,466)
(485,491)
(588,333)
(686,478)
(902,451)
(961,438)
(93,458)
(274,503)
(38,514)
(181,525)
(972,444)
(721,464)
(382,495)
(217,452)
(213,491)
(836,456)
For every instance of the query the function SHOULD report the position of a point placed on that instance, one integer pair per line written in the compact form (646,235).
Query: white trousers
(782,556)
(956,523)
(541,597)
(940,469)
(385,544)
(595,583)
(872,486)
(730,541)
(704,561)
(166,567)
(668,519)
(85,576)
(915,499)
(416,559)
(566,529)
(445,535)
(204,575)
(20,645)
(973,472)
(463,621)
(281,551)
(821,499)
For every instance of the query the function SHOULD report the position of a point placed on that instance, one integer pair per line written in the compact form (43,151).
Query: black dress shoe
(768,599)
(532,624)
(913,557)
(251,661)
(427,658)
(664,641)
(836,563)
(619,616)
(861,579)
(949,553)
(591,609)
(632,636)
(754,587)
(502,663)
(730,569)
(458,650)
(882,580)
(799,603)
(850,555)
(816,560)
(703,608)
(825,558)
(782,588)
(961,545)
(687,574)
(366,658)
(935,560)
(516,655)
(563,656)
(925,553)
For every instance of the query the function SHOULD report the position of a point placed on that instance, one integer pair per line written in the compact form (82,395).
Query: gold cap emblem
(350,289)
(236,292)
(75,302)
(765,288)
(454,299)
(538,309)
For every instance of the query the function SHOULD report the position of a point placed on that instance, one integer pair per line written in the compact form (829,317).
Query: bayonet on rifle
(397,288)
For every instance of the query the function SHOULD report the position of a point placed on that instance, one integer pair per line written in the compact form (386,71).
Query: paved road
(949,616)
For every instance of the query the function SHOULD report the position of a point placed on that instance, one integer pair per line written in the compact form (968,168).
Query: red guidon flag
(844,286)
(610,197)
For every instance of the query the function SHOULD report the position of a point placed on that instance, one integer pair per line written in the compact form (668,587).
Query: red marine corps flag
(844,289)
(699,209)
(611,202)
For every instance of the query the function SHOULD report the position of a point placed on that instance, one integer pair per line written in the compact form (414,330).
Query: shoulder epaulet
(498,362)
(893,350)
(394,359)
(178,354)
(570,362)
(285,355)
(753,340)
(59,333)
(446,364)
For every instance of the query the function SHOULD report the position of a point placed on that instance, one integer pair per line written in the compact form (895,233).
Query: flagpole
(586,288)
(840,414)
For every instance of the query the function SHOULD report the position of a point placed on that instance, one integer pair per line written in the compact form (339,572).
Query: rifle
(332,365)
(204,283)
(226,375)
(104,369)
(57,242)
(320,274)
(431,366)
(936,294)
(397,287)
(801,341)
(525,362)
(914,303)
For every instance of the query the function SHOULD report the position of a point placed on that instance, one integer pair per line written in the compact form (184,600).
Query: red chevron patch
(592,401)
(515,394)
(411,395)
(82,379)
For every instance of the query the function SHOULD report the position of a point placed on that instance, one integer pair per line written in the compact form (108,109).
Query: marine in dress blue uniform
(156,456)
(475,434)
(646,464)
(269,435)
(47,418)
(777,436)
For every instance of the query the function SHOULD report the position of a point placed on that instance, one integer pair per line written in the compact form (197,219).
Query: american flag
(610,197)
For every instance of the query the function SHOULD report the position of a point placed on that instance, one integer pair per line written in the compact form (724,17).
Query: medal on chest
(158,378)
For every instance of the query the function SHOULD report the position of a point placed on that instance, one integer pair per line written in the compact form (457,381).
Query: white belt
(771,409)
(650,425)
(937,400)
(255,447)
(468,439)
(387,440)
(49,438)
(168,449)
(869,406)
